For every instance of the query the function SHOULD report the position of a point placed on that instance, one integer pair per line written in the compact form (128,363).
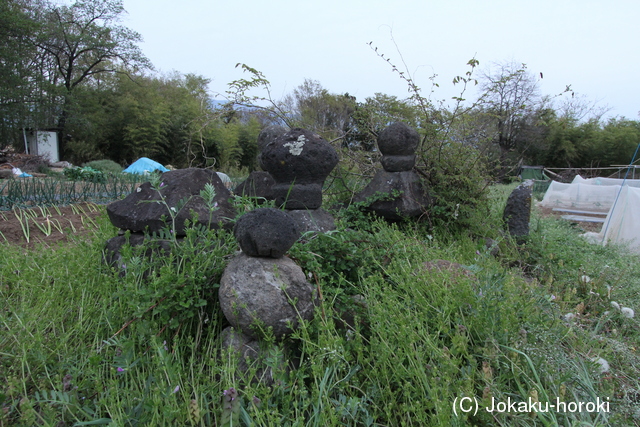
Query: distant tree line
(77,70)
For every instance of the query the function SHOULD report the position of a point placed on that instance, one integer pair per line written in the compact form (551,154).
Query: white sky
(591,45)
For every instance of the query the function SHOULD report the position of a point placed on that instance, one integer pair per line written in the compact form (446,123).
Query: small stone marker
(266,232)
(398,143)
(517,212)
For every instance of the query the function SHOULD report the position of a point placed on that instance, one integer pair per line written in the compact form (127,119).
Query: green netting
(533,172)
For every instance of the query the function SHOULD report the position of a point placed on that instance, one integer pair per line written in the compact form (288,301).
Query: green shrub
(84,174)
(44,169)
(106,166)
(457,179)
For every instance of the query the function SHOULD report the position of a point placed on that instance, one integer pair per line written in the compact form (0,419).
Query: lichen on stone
(295,148)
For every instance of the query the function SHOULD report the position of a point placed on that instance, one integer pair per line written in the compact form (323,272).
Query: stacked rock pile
(405,196)
(261,289)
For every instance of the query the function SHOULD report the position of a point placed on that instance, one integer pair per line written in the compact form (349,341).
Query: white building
(42,143)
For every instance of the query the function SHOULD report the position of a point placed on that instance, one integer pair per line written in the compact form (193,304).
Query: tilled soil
(60,225)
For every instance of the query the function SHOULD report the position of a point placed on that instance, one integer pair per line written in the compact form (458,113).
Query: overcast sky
(592,45)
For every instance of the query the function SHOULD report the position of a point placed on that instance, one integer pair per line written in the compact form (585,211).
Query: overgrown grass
(81,345)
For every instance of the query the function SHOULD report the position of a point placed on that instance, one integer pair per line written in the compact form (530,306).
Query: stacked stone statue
(404,195)
(260,288)
(299,161)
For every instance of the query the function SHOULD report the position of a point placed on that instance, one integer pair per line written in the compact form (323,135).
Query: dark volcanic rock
(267,137)
(259,184)
(398,163)
(398,139)
(412,200)
(298,196)
(299,161)
(143,211)
(517,212)
(152,248)
(260,293)
(317,220)
(266,232)
(398,143)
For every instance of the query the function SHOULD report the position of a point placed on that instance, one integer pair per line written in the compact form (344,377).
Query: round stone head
(398,143)
(266,232)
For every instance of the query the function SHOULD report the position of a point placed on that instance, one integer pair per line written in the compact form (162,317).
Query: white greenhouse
(618,199)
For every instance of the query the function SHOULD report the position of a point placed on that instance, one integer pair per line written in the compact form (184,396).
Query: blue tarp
(143,166)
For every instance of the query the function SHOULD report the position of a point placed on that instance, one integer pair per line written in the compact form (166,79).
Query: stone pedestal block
(402,192)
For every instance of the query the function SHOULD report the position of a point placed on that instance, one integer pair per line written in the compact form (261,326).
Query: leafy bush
(84,174)
(177,285)
(45,170)
(457,178)
(106,166)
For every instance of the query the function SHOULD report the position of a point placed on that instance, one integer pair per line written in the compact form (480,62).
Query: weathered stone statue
(402,192)
(262,289)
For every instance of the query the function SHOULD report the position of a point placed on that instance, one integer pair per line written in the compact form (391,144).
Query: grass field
(82,345)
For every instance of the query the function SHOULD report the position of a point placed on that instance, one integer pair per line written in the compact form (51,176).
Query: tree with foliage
(170,119)
(126,117)
(17,73)
(376,113)
(619,139)
(563,142)
(509,102)
(85,41)
(313,107)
